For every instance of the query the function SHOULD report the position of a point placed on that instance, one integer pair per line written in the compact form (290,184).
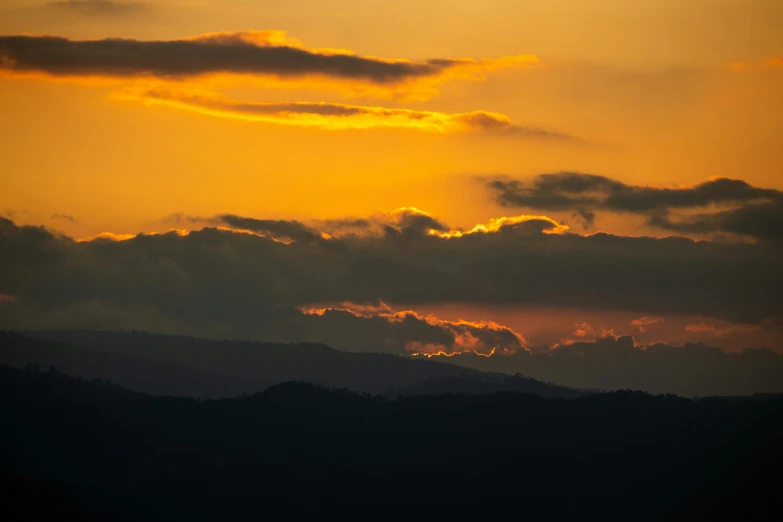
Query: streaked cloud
(99,7)
(64,217)
(267,54)
(339,116)
(645,322)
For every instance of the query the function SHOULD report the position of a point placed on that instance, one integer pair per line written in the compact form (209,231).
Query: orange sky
(661,93)
(397,104)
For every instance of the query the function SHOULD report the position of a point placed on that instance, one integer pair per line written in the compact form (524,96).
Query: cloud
(762,220)
(99,7)
(64,217)
(245,277)
(642,322)
(338,116)
(401,222)
(756,212)
(269,54)
(406,332)
(584,330)
(293,230)
(647,321)
(106,236)
(535,224)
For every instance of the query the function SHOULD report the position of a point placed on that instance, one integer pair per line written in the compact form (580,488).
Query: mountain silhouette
(94,451)
(184,366)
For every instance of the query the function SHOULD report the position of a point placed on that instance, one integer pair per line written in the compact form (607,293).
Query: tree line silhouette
(88,449)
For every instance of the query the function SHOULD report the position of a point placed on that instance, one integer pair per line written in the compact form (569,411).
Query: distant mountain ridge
(177,365)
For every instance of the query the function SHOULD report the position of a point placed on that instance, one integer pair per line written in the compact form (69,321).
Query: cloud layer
(752,211)
(264,279)
(239,274)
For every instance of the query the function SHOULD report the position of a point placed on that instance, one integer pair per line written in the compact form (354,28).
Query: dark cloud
(179,218)
(346,224)
(222,282)
(253,52)
(64,217)
(759,220)
(274,228)
(377,327)
(414,221)
(99,7)
(758,212)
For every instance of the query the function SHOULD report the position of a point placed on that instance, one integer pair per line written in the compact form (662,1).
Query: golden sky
(665,92)
(483,123)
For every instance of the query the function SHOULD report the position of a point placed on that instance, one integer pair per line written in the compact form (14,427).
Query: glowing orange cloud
(106,236)
(465,333)
(335,116)
(438,350)
(647,320)
(401,218)
(548,226)
(111,236)
(583,330)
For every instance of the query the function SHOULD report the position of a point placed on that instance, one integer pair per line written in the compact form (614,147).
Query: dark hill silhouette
(486,384)
(87,450)
(185,366)
(36,385)
(148,376)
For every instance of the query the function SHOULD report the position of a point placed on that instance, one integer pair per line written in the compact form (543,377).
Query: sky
(432,177)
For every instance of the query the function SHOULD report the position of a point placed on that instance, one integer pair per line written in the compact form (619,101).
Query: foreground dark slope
(98,452)
(189,367)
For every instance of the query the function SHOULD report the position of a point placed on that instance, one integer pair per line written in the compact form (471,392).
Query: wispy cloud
(64,217)
(99,7)
(339,116)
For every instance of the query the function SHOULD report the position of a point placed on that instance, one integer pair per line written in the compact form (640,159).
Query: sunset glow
(422,178)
